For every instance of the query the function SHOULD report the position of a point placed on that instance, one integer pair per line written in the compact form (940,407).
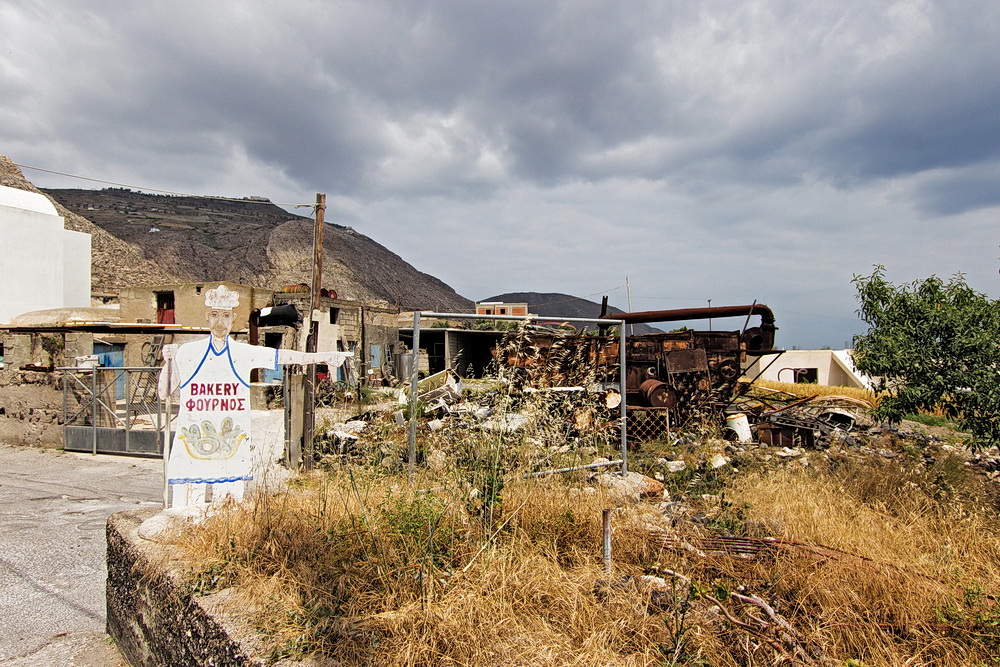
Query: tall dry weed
(805,389)
(362,571)
(896,590)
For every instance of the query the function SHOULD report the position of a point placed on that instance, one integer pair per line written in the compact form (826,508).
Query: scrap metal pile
(567,384)
(673,379)
(786,420)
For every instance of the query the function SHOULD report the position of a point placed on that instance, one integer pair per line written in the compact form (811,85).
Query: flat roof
(103,327)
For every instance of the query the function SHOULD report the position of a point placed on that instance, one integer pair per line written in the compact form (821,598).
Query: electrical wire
(167,192)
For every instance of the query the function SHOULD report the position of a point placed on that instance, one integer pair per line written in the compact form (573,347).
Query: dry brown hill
(143,239)
(114,262)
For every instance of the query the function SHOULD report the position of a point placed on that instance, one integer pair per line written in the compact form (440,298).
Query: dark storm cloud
(953,193)
(556,91)
(706,148)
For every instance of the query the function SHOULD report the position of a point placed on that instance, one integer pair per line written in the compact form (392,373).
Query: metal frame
(101,404)
(415,372)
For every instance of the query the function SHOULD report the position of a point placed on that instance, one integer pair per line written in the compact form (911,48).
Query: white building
(42,264)
(827,367)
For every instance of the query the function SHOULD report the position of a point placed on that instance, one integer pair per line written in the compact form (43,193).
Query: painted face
(220,322)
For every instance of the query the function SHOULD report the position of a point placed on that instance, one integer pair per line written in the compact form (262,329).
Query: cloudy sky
(723,150)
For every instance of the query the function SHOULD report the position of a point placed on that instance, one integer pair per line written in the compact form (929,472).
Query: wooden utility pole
(309,404)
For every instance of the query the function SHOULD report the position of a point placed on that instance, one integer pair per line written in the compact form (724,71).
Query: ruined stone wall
(156,620)
(31,402)
(31,408)
(138,304)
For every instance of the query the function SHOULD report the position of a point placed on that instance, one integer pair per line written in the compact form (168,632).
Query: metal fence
(112,410)
(413,380)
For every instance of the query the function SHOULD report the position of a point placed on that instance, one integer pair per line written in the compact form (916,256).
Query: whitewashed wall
(834,367)
(42,265)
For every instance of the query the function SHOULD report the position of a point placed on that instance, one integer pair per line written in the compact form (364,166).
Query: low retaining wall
(155,620)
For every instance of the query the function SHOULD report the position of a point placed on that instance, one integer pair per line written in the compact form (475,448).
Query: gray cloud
(722,149)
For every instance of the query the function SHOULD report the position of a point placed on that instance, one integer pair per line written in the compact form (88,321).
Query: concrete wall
(156,620)
(42,265)
(833,367)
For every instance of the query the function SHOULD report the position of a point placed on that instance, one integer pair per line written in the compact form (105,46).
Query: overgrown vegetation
(934,346)
(865,396)
(876,553)
(883,561)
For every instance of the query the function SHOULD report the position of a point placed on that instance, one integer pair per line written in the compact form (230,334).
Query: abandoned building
(445,345)
(182,305)
(823,367)
(368,329)
(501,308)
(104,353)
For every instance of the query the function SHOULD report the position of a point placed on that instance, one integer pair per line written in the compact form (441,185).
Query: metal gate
(112,411)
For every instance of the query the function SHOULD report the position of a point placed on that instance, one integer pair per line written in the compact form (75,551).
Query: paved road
(53,508)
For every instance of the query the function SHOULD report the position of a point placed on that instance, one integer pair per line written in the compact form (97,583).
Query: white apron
(211,443)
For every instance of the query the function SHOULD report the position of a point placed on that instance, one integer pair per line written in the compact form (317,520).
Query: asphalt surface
(53,509)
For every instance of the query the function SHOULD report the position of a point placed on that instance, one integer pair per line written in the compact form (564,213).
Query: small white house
(42,264)
(827,367)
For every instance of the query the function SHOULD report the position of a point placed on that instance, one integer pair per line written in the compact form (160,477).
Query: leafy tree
(934,345)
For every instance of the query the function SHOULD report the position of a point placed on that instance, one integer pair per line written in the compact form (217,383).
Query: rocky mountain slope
(556,305)
(115,262)
(252,242)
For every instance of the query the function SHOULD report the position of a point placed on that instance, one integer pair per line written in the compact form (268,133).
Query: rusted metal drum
(658,394)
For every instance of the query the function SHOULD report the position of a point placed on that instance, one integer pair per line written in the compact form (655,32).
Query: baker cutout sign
(212,440)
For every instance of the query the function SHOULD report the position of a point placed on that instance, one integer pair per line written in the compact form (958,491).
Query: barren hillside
(115,262)
(257,243)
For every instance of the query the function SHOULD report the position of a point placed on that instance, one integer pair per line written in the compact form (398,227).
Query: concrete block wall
(157,621)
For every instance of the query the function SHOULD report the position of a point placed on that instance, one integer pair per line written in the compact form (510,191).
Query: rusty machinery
(689,371)
(684,372)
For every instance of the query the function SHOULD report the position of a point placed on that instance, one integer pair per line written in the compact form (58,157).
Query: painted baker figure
(211,442)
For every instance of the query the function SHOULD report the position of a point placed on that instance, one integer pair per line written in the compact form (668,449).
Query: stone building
(369,329)
(182,305)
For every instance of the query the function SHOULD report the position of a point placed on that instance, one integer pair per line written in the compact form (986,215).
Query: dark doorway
(165,308)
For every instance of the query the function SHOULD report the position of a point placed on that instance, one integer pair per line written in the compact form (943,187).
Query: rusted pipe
(755,339)
(680,314)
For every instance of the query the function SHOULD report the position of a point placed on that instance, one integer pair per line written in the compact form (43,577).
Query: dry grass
(363,573)
(488,568)
(799,389)
(920,547)
(355,568)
